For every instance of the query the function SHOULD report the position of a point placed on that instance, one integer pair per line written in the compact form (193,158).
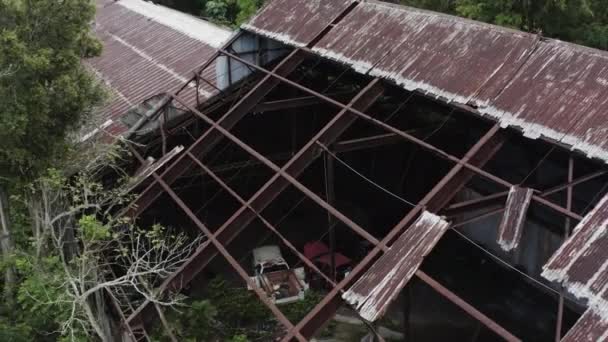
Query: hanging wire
(455,230)
(443,123)
(500,260)
(364,177)
(538,165)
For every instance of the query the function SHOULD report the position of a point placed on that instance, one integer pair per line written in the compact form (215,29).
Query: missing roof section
(381,284)
(514,217)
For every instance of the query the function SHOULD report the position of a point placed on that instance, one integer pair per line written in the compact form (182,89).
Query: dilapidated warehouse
(458,166)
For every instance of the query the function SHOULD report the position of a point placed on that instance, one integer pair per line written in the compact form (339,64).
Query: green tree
(44,91)
(580,21)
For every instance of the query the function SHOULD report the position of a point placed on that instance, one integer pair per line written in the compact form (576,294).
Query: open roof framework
(325,141)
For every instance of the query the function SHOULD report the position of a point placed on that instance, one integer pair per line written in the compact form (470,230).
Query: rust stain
(546,88)
(590,327)
(381,284)
(295,22)
(514,217)
(581,265)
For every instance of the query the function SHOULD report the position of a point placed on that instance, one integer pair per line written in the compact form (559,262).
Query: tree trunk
(6,244)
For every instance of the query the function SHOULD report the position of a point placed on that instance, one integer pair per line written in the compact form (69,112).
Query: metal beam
(211,137)
(268,225)
(407,137)
(332,301)
(222,250)
(560,305)
(365,143)
(297,102)
(466,307)
(280,181)
(494,199)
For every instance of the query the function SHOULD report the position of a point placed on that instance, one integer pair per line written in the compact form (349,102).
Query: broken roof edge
(455,18)
(506,119)
(589,148)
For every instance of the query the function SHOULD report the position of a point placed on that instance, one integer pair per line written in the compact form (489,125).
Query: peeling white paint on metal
(385,287)
(193,27)
(532,130)
(510,244)
(281,37)
(552,52)
(586,237)
(96,130)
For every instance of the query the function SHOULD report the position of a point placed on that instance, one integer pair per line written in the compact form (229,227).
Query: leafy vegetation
(225,12)
(232,313)
(580,21)
(56,231)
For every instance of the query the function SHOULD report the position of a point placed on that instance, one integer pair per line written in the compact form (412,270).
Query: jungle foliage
(579,21)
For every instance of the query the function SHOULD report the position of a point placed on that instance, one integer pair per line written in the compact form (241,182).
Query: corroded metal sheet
(544,87)
(296,22)
(514,217)
(591,327)
(581,263)
(379,286)
(147,50)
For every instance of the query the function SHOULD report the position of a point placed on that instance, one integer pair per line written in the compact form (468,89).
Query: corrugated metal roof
(381,284)
(581,265)
(299,21)
(514,217)
(148,49)
(591,327)
(545,87)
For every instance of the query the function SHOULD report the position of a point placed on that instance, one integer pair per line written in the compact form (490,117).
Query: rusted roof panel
(581,262)
(148,49)
(581,265)
(514,217)
(380,285)
(591,327)
(544,87)
(296,22)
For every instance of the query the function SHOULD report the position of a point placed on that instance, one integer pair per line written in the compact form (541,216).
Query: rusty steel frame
(464,168)
(297,102)
(221,249)
(486,147)
(270,226)
(491,200)
(280,172)
(211,137)
(560,305)
(406,136)
(458,167)
(263,197)
(236,112)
